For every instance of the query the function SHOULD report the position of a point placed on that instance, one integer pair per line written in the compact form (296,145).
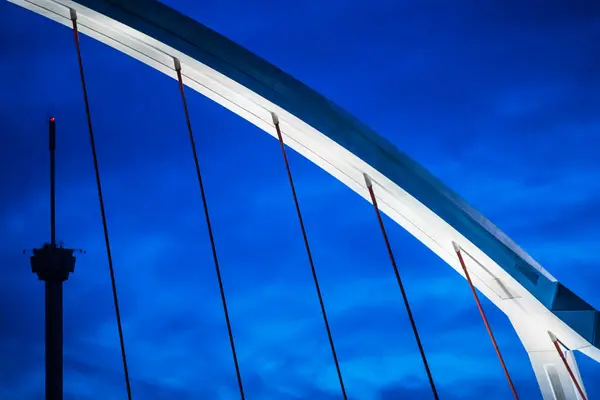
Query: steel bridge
(551,321)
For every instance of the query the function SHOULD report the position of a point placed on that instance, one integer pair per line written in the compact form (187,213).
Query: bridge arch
(535,302)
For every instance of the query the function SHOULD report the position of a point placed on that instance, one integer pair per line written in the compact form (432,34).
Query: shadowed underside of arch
(340,144)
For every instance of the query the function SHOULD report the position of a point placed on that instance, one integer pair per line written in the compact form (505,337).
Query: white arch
(250,87)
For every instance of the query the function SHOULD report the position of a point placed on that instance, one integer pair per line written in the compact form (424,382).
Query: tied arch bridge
(551,321)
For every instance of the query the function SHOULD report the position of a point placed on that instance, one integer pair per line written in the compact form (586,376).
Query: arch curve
(534,301)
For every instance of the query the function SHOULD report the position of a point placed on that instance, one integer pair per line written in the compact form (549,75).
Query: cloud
(496,99)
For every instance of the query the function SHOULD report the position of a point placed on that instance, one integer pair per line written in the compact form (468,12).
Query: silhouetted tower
(53,264)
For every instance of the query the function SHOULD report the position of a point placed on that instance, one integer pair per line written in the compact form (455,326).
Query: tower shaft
(53,264)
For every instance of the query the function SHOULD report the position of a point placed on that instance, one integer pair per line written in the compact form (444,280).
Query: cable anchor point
(368,180)
(177,64)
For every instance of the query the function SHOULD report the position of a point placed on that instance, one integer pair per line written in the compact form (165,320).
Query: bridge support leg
(550,371)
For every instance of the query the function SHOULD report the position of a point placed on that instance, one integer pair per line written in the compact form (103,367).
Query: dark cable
(101,199)
(401,285)
(209,226)
(557,344)
(484,318)
(310,259)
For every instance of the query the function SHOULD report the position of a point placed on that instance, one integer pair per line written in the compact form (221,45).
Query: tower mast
(53,264)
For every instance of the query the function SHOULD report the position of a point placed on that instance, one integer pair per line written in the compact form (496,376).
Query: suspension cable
(401,285)
(485,320)
(209,226)
(309,253)
(557,343)
(101,199)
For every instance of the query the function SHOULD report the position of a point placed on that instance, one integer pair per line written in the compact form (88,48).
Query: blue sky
(498,99)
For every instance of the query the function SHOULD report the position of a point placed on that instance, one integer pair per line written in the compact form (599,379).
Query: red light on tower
(52,119)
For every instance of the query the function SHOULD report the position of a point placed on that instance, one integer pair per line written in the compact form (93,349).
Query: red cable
(485,321)
(404,296)
(102,210)
(562,357)
(210,231)
(310,259)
